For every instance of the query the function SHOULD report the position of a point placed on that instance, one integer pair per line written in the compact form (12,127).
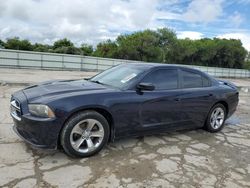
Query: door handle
(177,99)
(208,95)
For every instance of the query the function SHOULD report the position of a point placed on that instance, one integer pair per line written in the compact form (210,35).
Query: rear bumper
(230,113)
(232,107)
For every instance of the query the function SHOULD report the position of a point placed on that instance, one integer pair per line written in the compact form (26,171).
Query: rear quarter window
(205,82)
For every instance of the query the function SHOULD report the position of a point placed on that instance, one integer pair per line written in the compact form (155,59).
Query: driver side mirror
(145,86)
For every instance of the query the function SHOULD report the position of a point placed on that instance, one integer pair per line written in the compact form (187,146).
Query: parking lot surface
(192,158)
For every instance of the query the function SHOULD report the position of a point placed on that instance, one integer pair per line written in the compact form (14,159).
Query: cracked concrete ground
(178,159)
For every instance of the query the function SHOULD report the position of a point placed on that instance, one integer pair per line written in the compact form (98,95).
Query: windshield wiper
(96,81)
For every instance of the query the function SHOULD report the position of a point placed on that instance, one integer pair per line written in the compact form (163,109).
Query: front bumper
(39,132)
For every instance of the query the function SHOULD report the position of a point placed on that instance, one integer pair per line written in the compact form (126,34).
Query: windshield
(119,76)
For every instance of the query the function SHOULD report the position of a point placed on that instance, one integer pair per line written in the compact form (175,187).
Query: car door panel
(195,105)
(196,98)
(159,109)
(139,113)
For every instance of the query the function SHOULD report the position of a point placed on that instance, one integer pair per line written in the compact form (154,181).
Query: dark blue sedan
(132,99)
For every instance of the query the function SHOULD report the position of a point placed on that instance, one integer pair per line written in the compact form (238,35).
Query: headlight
(41,110)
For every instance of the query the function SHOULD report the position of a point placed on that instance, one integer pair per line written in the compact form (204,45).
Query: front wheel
(85,134)
(216,118)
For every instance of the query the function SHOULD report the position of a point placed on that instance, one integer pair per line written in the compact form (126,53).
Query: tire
(84,134)
(214,124)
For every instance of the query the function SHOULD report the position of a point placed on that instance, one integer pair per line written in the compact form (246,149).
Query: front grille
(15,109)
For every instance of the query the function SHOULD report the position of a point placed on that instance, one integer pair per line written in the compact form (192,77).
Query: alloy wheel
(217,118)
(87,135)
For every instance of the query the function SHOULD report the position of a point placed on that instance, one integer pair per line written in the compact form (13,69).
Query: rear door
(196,97)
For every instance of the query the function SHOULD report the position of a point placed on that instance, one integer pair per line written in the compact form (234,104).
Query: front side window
(163,79)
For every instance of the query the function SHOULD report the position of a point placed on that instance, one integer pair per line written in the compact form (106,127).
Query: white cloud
(197,11)
(91,21)
(81,21)
(168,16)
(236,19)
(189,34)
(204,11)
(244,37)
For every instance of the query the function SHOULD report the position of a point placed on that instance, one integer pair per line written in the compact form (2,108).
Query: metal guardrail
(54,61)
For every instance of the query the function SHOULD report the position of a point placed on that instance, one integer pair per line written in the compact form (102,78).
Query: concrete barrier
(54,61)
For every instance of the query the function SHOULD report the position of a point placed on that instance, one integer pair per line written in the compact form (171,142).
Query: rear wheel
(85,134)
(216,118)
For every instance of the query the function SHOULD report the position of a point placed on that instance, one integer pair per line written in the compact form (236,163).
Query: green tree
(65,46)
(62,43)
(18,44)
(229,53)
(183,51)
(208,52)
(42,47)
(167,41)
(67,50)
(106,49)
(86,49)
(142,46)
(2,44)
(159,45)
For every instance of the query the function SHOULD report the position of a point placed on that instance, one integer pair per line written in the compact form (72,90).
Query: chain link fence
(54,61)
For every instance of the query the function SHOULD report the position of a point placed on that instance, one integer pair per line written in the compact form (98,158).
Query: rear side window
(191,80)
(163,79)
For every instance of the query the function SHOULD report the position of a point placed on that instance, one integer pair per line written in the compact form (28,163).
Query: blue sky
(92,21)
(209,18)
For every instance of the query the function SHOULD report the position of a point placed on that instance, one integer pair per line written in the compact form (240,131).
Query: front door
(159,109)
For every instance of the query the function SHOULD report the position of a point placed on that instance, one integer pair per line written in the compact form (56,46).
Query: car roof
(156,65)
(162,65)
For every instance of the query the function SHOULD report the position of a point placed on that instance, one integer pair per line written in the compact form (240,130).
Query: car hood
(57,87)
